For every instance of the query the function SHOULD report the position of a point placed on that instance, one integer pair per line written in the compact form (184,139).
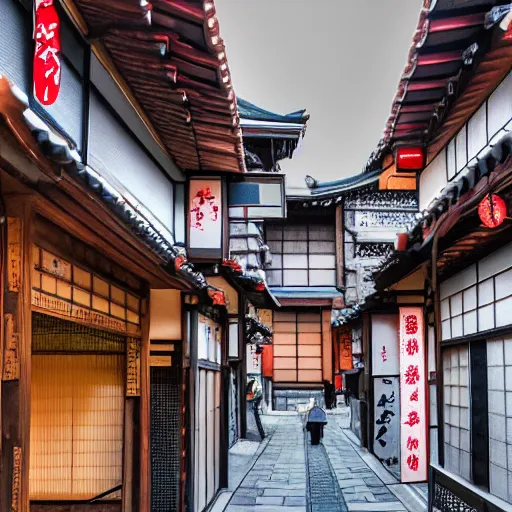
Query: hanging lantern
(492,211)
(410,159)
(47,69)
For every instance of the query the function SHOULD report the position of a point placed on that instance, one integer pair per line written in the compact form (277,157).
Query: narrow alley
(288,474)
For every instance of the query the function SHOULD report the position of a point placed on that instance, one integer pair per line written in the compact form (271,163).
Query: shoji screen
(76,431)
(297,347)
(207,438)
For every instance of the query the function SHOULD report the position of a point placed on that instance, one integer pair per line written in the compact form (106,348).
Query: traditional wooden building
(454,100)
(104,402)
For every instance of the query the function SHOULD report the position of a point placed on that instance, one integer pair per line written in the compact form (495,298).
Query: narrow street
(290,475)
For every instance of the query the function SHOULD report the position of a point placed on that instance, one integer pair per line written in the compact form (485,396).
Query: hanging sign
(345,348)
(385,358)
(387,420)
(47,69)
(205,218)
(413,413)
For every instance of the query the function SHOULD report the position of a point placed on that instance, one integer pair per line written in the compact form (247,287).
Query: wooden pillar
(15,351)
(366,380)
(144,462)
(242,373)
(340,249)
(327,350)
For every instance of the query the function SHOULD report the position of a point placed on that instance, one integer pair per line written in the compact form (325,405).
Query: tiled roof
(450,41)
(173,59)
(457,198)
(248,110)
(156,238)
(328,188)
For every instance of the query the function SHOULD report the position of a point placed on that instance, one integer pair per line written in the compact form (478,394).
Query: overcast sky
(339,59)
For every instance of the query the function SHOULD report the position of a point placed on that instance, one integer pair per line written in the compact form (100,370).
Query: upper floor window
(302,254)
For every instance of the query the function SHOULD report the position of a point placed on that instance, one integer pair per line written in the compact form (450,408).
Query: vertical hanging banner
(205,218)
(345,348)
(387,421)
(414,420)
(47,69)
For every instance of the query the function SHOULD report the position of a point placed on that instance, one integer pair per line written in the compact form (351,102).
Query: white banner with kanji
(413,411)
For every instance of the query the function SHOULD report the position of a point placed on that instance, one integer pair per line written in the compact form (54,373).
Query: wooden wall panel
(285,363)
(284,339)
(285,375)
(310,351)
(310,376)
(310,339)
(327,349)
(285,351)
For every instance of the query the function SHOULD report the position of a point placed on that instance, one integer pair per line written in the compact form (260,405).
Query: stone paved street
(277,481)
(290,475)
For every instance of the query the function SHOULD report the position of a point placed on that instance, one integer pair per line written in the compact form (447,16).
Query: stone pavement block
(283,492)
(269,500)
(295,501)
(395,506)
(359,496)
(351,482)
(273,508)
(243,500)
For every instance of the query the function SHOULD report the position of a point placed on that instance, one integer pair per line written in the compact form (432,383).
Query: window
(302,254)
(209,340)
(297,347)
(76,434)
(478,413)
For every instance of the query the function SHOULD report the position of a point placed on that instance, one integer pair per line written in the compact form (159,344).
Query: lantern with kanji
(492,211)
(47,68)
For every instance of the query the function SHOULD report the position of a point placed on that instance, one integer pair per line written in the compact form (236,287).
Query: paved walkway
(277,481)
(289,475)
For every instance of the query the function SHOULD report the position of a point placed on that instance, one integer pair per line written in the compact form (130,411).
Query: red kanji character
(414,396)
(412,443)
(411,324)
(412,347)
(413,462)
(413,419)
(412,375)
(384,355)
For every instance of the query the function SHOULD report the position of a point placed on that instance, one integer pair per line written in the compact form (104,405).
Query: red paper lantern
(492,211)
(410,158)
(47,69)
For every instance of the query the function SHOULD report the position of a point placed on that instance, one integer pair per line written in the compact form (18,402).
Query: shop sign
(386,444)
(345,348)
(133,367)
(205,218)
(14,254)
(47,68)
(11,356)
(413,414)
(16,479)
(385,358)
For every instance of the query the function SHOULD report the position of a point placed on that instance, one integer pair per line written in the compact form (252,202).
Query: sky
(341,60)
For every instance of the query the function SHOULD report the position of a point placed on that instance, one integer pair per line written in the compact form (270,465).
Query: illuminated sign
(205,218)
(47,69)
(492,211)
(413,413)
(410,159)
(345,348)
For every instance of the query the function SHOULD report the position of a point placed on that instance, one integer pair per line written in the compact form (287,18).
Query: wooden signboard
(11,355)
(345,348)
(16,480)
(133,367)
(14,254)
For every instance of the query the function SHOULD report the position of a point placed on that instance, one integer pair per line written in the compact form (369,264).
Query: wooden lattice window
(297,347)
(76,431)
